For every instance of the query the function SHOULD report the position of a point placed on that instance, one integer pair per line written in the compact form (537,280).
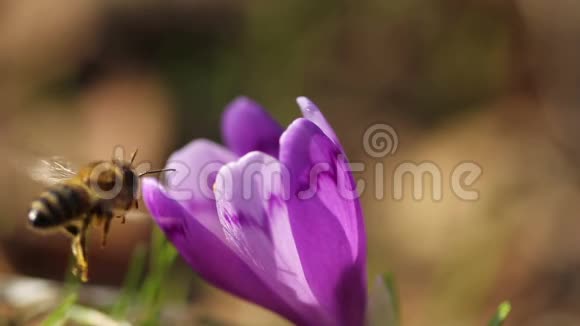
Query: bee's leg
(136,204)
(72,230)
(79,248)
(102,215)
(106,227)
(81,262)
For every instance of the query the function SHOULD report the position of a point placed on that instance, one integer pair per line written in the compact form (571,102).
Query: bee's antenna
(156,171)
(134,155)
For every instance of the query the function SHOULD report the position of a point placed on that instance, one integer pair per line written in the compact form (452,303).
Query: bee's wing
(51,170)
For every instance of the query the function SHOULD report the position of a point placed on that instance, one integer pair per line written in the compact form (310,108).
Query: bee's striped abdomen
(59,205)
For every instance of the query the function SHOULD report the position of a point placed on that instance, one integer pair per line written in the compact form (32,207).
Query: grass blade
(131,284)
(60,315)
(163,255)
(389,279)
(501,315)
(383,305)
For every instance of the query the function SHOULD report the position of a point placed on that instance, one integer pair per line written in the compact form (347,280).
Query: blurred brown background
(490,81)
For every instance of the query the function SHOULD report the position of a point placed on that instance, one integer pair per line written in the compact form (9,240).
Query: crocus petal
(208,254)
(326,220)
(311,112)
(247,127)
(191,184)
(250,197)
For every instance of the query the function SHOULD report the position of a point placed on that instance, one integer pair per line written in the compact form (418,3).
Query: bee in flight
(75,200)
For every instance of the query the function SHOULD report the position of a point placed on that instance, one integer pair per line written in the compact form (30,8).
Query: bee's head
(130,180)
(118,180)
(114,180)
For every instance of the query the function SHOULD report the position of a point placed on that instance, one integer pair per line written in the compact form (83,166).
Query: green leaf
(384,302)
(163,255)
(60,315)
(131,283)
(389,279)
(501,315)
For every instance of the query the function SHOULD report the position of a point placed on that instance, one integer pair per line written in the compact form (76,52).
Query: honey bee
(75,200)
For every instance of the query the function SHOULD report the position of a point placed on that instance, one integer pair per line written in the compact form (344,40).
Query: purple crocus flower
(271,217)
